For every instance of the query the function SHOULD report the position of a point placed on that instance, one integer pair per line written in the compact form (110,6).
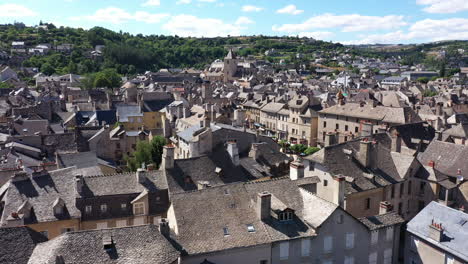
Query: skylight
(250,228)
(226,231)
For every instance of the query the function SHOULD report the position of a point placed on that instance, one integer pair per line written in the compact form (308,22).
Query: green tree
(298,148)
(47,69)
(147,153)
(157,144)
(423,80)
(5,85)
(311,150)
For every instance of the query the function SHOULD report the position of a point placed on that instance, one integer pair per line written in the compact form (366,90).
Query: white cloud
(443,6)
(244,21)
(189,25)
(152,3)
(423,30)
(207,1)
(290,9)
(183,2)
(322,35)
(15,10)
(347,23)
(115,15)
(251,8)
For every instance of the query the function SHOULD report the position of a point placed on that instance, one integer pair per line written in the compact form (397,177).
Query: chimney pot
(385,207)
(431,164)
(264,205)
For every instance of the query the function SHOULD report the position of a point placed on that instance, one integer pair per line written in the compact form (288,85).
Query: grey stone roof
(448,158)
(273,107)
(17,244)
(124,111)
(137,244)
(382,221)
(41,192)
(393,115)
(455,227)
(387,167)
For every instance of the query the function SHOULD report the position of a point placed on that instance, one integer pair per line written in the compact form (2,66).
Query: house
(438,234)
(143,244)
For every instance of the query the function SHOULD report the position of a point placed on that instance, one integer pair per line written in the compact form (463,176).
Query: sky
(344,21)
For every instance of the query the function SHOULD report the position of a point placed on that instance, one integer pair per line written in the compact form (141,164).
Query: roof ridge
(267,180)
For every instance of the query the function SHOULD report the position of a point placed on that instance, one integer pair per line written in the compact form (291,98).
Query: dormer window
(58,210)
(286,215)
(103,208)
(88,209)
(138,208)
(59,207)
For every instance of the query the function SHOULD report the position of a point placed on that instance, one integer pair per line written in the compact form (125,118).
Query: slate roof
(459,130)
(455,227)
(41,192)
(382,221)
(387,167)
(156,105)
(393,115)
(123,183)
(273,107)
(124,111)
(30,127)
(448,158)
(18,243)
(234,209)
(136,244)
(412,134)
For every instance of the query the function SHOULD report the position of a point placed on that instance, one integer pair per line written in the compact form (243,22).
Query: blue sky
(346,21)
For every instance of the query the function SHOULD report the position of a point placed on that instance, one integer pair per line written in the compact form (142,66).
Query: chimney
(330,139)
(367,129)
(431,164)
(440,109)
(296,169)
(396,142)
(140,175)
(233,152)
(164,228)
(168,157)
(436,231)
(340,184)
(206,120)
(79,183)
(264,205)
(201,185)
(19,176)
(385,207)
(364,154)
(254,153)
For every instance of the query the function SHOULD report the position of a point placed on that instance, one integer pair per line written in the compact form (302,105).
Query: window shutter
(284,250)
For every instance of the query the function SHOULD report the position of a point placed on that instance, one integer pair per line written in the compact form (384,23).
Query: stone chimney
(239,117)
(164,228)
(264,205)
(367,129)
(233,152)
(296,169)
(330,139)
(140,175)
(168,157)
(340,184)
(439,109)
(385,207)
(79,183)
(396,142)
(207,120)
(254,152)
(436,231)
(364,154)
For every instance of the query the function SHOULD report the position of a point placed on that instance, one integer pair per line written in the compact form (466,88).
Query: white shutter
(284,250)
(349,240)
(327,244)
(305,247)
(390,234)
(121,223)
(102,225)
(373,258)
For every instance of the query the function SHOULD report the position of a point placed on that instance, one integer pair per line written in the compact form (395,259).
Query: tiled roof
(381,221)
(17,244)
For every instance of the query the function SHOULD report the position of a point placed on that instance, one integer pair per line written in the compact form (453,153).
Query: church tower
(230,66)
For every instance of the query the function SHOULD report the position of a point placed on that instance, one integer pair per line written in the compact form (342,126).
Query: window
(285,216)
(250,228)
(389,234)
(305,245)
(340,219)
(311,166)
(123,206)
(226,231)
(67,229)
(102,225)
(58,210)
(402,189)
(449,259)
(325,183)
(263,261)
(392,192)
(374,237)
(88,209)
(422,186)
(373,258)
(337,126)
(356,129)
(388,256)
(138,208)
(349,240)
(327,244)
(349,260)
(121,223)
(409,187)
(324,124)
(400,208)
(367,203)
(346,127)
(103,208)
(284,250)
